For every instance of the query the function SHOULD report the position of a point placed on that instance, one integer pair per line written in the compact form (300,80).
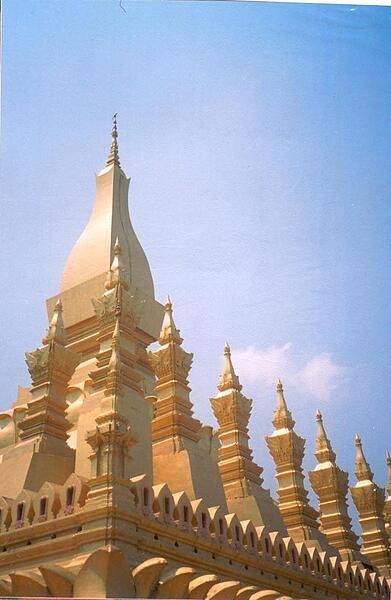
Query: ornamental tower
(177,437)
(369,500)
(387,506)
(287,450)
(330,484)
(240,475)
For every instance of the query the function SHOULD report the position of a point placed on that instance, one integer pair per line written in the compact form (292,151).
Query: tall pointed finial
(228,378)
(169,331)
(117,275)
(113,157)
(324,451)
(282,416)
(388,459)
(362,469)
(115,361)
(56,330)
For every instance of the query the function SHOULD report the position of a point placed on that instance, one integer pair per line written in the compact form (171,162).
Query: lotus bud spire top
(228,378)
(324,451)
(282,418)
(56,331)
(169,331)
(362,469)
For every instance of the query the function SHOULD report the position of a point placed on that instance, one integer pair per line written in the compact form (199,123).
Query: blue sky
(258,140)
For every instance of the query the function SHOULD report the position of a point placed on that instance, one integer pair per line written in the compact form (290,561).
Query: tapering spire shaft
(282,417)
(324,451)
(51,368)
(362,469)
(56,331)
(173,420)
(240,474)
(369,500)
(287,450)
(113,157)
(169,331)
(330,484)
(387,506)
(228,379)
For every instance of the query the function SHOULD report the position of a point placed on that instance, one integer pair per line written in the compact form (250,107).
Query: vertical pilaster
(111,439)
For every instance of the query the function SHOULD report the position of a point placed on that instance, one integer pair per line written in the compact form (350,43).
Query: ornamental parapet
(187,531)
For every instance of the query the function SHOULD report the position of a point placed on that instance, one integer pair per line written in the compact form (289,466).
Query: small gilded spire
(117,275)
(282,418)
(228,379)
(113,157)
(56,331)
(324,451)
(388,459)
(362,469)
(115,361)
(169,331)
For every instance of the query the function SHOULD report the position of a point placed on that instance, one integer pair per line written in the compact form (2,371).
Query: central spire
(108,228)
(113,157)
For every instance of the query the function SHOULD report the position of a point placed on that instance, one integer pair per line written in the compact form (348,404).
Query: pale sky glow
(318,377)
(258,140)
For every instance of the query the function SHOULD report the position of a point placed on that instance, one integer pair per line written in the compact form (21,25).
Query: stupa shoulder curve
(93,252)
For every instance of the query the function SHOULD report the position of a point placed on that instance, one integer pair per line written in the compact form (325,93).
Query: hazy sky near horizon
(258,140)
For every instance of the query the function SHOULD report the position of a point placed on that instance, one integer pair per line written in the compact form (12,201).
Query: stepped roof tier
(111,487)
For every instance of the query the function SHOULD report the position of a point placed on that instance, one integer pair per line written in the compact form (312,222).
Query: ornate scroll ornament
(116,432)
(110,442)
(117,302)
(286,448)
(38,363)
(232,407)
(42,361)
(171,361)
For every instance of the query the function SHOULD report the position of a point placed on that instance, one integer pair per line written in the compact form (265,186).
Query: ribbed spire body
(287,450)
(369,500)
(173,419)
(330,484)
